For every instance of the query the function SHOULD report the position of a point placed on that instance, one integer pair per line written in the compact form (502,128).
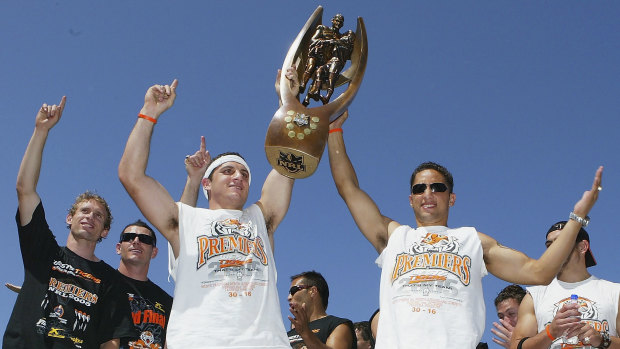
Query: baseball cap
(582,235)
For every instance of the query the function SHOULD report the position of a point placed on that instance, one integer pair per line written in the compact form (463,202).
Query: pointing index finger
(203,146)
(63,100)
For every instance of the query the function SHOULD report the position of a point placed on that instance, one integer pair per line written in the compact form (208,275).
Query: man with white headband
(225,277)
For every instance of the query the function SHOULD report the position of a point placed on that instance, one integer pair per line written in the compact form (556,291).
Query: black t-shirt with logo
(150,308)
(66,301)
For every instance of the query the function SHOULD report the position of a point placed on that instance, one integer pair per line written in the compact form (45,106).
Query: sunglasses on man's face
(421,187)
(296,288)
(145,239)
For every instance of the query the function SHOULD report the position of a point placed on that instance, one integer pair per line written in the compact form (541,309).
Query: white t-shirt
(225,294)
(598,303)
(431,289)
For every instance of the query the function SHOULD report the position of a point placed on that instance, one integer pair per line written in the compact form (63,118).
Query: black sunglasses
(421,187)
(145,239)
(296,288)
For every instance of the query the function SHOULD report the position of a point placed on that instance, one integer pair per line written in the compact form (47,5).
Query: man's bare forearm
(190,192)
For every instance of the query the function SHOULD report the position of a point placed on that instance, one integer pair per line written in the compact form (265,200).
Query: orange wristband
(335,130)
(146,117)
(549,333)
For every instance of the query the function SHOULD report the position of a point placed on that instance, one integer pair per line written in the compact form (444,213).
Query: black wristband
(520,345)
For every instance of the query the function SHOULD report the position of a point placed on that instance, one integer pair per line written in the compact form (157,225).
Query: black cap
(582,235)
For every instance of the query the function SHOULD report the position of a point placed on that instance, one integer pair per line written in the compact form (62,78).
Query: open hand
(503,332)
(299,320)
(583,206)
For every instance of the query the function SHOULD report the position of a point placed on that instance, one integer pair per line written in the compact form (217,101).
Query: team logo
(59,311)
(231,236)
(431,257)
(234,226)
(146,341)
(292,163)
(434,242)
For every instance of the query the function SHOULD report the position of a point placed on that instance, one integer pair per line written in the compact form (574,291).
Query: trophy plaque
(297,134)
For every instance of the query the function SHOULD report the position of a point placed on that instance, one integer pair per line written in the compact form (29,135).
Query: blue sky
(518,99)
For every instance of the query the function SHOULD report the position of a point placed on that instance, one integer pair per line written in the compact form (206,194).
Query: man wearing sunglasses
(431,289)
(70,298)
(548,318)
(222,257)
(150,305)
(311,326)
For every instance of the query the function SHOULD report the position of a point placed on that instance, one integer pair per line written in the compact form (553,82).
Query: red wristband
(146,117)
(335,130)
(549,333)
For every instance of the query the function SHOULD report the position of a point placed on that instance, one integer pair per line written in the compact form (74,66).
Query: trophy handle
(296,53)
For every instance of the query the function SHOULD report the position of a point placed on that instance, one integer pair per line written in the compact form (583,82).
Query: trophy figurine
(297,134)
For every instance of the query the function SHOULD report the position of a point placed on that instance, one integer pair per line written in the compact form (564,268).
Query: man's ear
(452,199)
(68,219)
(584,245)
(154,253)
(118,248)
(104,233)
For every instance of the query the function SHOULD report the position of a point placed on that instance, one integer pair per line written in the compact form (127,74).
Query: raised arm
(515,267)
(196,166)
(566,320)
(375,226)
(30,168)
(277,190)
(275,199)
(150,196)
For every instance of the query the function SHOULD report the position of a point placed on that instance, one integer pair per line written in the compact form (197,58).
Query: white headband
(217,162)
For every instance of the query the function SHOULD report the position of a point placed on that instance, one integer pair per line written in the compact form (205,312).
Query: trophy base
(291,162)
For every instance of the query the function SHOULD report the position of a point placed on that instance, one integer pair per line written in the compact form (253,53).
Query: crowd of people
(221,259)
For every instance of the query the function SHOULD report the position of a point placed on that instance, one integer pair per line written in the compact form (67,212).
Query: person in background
(549,318)
(311,326)
(149,304)
(507,305)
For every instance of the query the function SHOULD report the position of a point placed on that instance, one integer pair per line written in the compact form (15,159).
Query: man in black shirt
(312,327)
(149,304)
(70,298)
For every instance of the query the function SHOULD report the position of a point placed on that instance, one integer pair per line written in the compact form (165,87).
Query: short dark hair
(219,156)
(429,165)
(313,278)
(141,223)
(511,291)
(364,329)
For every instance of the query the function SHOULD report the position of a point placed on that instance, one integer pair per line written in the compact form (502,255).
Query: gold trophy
(297,134)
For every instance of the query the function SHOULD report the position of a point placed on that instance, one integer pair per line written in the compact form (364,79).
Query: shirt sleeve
(36,241)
